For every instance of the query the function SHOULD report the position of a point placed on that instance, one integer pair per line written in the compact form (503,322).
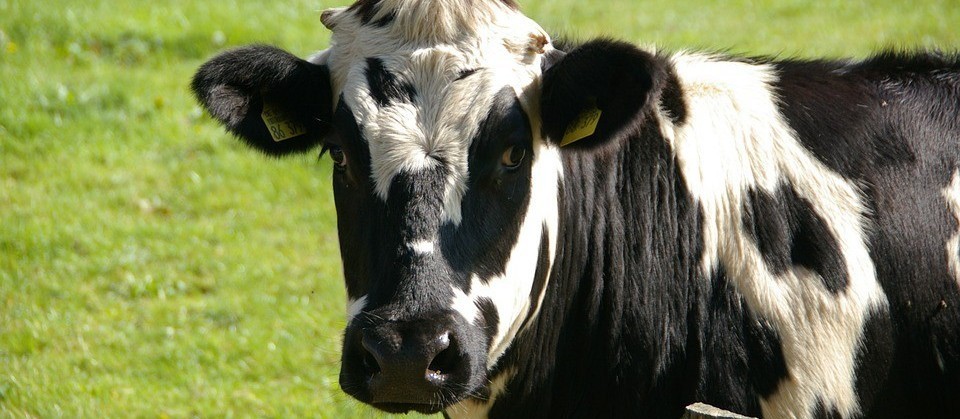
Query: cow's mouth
(427,409)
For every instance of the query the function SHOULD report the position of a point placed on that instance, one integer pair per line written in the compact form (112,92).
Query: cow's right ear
(595,91)
(274,101)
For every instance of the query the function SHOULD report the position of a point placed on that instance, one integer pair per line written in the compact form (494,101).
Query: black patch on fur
(367,9)
(874,355)
(765,351)
(489,320)
(511,4)
(614,76)
(742,354)
(415,203)
(465,73)
(234,85)
(839,109)
(384,85)
(671,99)
(829,111)
(360,212)
(820,411)
(788,232)
(497,198)
(912,227)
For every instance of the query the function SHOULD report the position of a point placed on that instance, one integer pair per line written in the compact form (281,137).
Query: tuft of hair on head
(330,17)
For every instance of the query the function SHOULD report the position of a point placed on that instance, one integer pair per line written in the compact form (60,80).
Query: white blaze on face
(737,140)
(421,247)
(510,293)
(952,195)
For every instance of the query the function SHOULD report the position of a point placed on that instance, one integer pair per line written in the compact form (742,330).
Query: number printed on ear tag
(281,125)
(582,127)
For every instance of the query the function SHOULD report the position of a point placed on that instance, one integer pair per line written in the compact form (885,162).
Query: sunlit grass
(152,266)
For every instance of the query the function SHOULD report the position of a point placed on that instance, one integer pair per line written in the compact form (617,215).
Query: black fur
(741,356)
(465,73)
(234,85)
(489,319)
(384,86)
(511,4)
(368,9)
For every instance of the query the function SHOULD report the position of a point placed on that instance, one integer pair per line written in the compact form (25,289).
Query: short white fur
(355,307)
(952,195)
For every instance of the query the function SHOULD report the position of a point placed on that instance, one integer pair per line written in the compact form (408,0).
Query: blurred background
(150,266)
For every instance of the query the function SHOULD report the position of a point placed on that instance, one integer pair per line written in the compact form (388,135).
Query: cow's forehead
(445,70)
(481,29)
(435,39)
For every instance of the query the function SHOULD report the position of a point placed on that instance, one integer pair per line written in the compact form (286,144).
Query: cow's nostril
(370,363)
(444,362)
(398,366)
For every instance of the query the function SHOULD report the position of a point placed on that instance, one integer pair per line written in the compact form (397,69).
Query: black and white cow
(774,237)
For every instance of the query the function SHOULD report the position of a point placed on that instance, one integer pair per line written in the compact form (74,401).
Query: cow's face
(435,115)
(445,194)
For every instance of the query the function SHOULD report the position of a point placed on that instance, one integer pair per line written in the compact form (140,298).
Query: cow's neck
(614,314)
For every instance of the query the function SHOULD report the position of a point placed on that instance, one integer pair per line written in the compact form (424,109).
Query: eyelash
(336,154)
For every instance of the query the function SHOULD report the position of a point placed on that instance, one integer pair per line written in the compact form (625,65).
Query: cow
(531,228)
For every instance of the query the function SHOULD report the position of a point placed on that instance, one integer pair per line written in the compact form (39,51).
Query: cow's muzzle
(423,365)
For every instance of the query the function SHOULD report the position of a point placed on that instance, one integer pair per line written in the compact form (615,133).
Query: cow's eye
(337,155)
(513,156)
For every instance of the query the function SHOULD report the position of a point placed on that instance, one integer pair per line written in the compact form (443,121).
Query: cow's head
(445,181)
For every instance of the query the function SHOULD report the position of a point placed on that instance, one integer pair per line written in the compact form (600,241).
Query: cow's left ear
(595,90)
(272,100)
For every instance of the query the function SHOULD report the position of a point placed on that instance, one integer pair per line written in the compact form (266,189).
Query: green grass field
(150,266)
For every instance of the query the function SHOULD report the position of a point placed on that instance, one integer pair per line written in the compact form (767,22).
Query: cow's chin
(425,364)
(444,396)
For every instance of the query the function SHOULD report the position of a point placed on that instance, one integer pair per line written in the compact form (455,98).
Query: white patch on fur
(474,409)
(464,304)
(437,128)
(952,194)
(355,307)
(421,247)
(734,141)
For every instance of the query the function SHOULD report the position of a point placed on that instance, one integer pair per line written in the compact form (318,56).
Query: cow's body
(777,238)
(774,257)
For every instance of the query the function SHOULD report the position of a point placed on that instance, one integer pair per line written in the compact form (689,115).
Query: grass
(150,266)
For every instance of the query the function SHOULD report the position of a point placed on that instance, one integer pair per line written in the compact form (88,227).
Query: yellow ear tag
(281,125)
(582,127)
